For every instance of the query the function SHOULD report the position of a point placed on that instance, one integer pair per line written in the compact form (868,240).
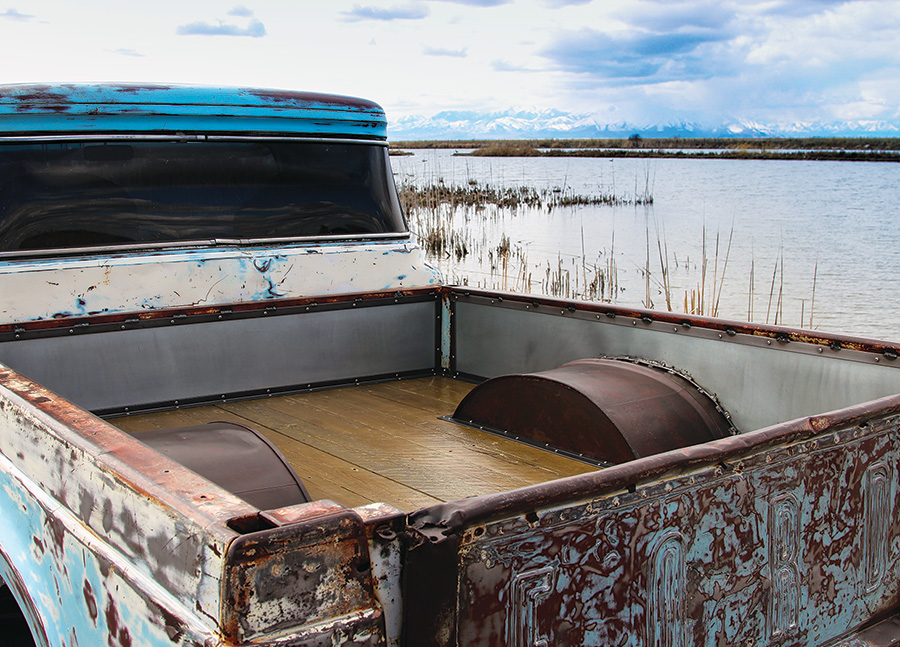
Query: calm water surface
(815,244)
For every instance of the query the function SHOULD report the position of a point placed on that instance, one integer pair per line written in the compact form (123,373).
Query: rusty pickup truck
(238,408)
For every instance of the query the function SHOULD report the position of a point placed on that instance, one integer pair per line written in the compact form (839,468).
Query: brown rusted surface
(127,320)
(885,633)
(315,572)
(303,512)
(155,476)
(446,519)
(234,456)
(608,410)
(781,334)
(46,96)
(159,522)
(281,97)
(776,537)
(51,98)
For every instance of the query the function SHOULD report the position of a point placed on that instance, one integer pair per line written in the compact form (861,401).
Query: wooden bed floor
(381,443)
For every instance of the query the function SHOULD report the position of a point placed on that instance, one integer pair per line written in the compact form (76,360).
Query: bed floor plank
(381,443)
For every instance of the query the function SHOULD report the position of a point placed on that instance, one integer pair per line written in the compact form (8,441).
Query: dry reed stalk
(812,303)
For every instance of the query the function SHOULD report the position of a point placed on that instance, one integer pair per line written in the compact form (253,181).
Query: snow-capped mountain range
(547,124)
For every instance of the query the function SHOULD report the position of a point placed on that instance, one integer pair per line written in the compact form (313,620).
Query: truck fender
(11,578)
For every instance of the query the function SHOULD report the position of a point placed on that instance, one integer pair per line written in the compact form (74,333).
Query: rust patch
(82,324)
(326,100)
(173,625)
(57,532)
(779,542)
(319,568)
(90,601)
(117,634)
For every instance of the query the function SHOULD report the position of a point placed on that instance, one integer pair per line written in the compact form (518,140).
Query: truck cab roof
(52,109)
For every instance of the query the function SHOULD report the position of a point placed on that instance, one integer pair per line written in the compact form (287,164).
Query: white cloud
(12,14)
(637,59)
(252,27)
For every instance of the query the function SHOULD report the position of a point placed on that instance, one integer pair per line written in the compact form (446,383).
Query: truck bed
(381,443)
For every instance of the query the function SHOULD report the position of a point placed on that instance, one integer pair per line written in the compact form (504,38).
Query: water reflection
(813,244)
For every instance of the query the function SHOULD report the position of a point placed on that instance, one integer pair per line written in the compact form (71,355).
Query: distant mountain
(554,124)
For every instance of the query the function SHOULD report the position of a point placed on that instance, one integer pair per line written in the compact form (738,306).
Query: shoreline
(830,149)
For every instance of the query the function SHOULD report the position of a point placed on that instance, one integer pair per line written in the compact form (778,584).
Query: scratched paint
(62,288)
(84,594)
(62,108)
(767,547)
(102,548)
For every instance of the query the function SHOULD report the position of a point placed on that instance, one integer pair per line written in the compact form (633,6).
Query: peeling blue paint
(185,109)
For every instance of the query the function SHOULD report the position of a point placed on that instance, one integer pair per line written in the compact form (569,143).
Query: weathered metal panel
(177,361)
(172,108)
(604,410)
(759,376)
(306,583)
(106,284)
(790,537)
(110,538)
(384,527)
(82,591)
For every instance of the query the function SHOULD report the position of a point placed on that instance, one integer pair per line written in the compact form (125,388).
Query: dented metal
(775,537)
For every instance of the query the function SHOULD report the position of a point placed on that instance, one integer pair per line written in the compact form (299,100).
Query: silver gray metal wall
(183,361)
(759,380)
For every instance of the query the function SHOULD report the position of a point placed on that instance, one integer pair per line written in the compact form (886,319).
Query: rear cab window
(88,167)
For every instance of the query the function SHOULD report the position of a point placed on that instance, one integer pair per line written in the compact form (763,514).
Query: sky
(636,61)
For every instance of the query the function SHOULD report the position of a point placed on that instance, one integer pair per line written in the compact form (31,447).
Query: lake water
(812,244)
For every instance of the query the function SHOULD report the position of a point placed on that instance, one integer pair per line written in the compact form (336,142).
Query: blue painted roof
(96,108)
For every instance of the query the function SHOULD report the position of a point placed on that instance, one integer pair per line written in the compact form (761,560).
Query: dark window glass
(63,195)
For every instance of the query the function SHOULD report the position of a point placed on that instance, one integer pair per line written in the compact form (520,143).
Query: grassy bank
(831,149)
(462,229)
(770,144)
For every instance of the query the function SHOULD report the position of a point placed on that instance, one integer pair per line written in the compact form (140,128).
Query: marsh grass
(474,194)
(451,224)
